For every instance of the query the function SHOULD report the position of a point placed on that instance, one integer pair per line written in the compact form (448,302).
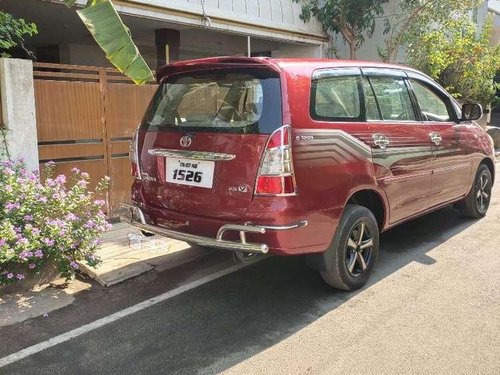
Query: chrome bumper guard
(134,216)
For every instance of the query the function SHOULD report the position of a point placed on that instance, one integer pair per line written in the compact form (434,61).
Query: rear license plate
(190,172)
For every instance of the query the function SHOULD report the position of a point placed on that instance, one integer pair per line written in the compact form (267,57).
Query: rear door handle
(436,138)
(381,141)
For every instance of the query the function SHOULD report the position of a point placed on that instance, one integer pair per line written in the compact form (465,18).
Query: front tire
(354,249)
(476,203)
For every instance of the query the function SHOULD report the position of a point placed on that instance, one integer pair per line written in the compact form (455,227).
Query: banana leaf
(102,20)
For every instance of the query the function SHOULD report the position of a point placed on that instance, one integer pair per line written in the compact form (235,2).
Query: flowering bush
(55,220)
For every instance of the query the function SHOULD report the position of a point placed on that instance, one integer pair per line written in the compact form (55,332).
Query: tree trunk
(352,51)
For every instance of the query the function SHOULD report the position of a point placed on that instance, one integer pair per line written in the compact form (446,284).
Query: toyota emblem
(186,141)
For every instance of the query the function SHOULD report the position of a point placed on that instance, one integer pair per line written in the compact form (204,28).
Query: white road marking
(118,315)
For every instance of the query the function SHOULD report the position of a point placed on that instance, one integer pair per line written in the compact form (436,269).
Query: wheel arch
(491,166)
(374,201)
(366,197)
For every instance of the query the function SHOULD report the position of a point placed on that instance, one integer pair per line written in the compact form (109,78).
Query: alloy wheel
(483,193)
(359,249)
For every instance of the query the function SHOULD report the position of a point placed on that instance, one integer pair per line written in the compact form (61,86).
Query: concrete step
(126,253)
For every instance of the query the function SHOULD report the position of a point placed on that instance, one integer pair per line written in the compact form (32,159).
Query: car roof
(290,65)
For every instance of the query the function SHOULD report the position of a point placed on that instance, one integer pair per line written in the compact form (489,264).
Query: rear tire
(354,249)
(476,203)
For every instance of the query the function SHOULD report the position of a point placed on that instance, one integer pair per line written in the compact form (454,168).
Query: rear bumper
(135,216)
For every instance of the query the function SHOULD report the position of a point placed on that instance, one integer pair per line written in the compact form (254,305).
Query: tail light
(276,175)
(134,156)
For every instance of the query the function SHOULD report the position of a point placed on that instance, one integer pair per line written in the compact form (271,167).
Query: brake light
(276,176)
(134,156)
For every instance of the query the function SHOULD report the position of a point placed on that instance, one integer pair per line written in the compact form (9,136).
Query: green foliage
(50,221)
(458,55)
(12,33)
(407,20)
(104,23)
(354,20)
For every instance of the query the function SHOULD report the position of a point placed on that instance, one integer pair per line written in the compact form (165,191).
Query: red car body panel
(332,161)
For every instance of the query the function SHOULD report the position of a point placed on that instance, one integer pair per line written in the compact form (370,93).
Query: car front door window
(432,106)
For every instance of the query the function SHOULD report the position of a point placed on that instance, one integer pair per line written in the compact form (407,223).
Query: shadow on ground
(220,324)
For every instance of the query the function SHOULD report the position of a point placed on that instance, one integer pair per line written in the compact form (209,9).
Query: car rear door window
(432,106)
(336,96)
(393,98)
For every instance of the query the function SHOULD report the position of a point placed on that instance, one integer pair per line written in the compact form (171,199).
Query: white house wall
(274,19)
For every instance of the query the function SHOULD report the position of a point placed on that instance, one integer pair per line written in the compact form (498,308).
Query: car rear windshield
(224,100)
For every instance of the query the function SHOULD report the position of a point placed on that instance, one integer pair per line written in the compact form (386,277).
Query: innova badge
(186,141)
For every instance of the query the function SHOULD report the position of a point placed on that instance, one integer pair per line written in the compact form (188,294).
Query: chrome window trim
(189,154)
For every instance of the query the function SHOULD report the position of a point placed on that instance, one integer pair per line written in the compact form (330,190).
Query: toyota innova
(303,157)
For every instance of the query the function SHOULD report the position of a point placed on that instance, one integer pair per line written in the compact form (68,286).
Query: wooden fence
(86,117)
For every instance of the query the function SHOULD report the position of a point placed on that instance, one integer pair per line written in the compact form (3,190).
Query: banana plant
(107,28)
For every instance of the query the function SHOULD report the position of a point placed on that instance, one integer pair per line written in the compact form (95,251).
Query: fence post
(18,110)
(103,83)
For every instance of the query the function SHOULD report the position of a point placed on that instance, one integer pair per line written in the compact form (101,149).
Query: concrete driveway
(432,307)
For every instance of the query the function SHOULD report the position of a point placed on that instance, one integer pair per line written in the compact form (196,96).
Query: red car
(295,157)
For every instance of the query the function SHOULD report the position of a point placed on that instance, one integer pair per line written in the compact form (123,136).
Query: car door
(401,147)
(451,143)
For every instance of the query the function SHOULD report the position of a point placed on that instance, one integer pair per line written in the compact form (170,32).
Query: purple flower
(85,175)
(74,265)
(96,242)
(28,217)
(9,171)
(2,242)
(22,241)
(57,223)
(89,224)
(50,182)
(71,217)
(9,206)
(82,183)
(48,241)
(42,199)
(20,276)
(10,275)
(25,255)
(75,170)
(7,163)
(35,231)
(61,179)
(8,188)
(32,265)
(39,254)
(99,202)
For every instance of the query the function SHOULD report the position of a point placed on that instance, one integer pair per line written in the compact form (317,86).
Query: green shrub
(55,221)
(458,55)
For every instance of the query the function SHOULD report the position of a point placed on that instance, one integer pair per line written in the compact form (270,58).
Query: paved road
(432,307)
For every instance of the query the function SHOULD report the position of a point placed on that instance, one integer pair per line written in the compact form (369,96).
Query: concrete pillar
(18,110)
(167,41)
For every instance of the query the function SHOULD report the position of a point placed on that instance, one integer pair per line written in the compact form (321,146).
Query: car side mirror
(471,111)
